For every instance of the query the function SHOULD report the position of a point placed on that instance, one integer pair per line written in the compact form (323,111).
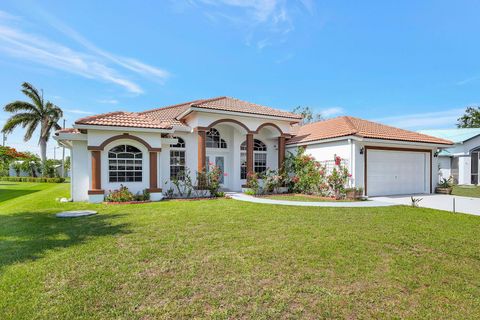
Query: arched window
(177,160)
(214,140)
(180,143)
(125,164)
(259,158)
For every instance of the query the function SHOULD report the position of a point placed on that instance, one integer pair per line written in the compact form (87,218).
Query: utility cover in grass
(76,213)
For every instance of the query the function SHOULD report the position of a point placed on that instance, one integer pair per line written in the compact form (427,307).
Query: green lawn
(466,191)
(232,259)
(299,197)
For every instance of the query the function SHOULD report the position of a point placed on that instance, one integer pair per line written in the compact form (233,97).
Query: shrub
(213,179)
(33,179)
(144,196)
(120,195)
(446,183)
(304,173)
(338,179)
(252,182)
(250,192)
(272,180)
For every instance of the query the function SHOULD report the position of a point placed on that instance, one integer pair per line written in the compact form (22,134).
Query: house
(146,150)
(462,160)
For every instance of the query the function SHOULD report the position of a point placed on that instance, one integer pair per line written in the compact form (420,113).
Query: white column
(464,170)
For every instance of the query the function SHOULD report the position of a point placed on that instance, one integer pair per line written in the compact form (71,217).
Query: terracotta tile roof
(346,126)
(236,105)
(67,130)
(167,117)
(124,119)
(222,104)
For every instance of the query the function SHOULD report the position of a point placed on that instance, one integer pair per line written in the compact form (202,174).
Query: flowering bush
(272,180)
(213,179)
(120,195)
(338,180)
(252,182)
(304,173)
(308,176)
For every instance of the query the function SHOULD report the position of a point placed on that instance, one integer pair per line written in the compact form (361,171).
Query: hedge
(32,179)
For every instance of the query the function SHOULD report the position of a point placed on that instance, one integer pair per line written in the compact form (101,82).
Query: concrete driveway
(438,201)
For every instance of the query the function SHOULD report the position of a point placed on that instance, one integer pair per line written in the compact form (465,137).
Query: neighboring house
(13,173)
(462,160)
(146,150)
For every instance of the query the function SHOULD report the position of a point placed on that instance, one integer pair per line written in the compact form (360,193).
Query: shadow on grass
(26,236)
(7,194)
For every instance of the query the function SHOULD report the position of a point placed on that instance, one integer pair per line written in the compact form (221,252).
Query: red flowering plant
(338,179)
(303,173)
(120,195)
(7,155)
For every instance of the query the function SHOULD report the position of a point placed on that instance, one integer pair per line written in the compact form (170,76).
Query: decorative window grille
(125,164)
(214,140)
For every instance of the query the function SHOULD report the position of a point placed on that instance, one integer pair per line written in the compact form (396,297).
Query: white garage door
(397,172)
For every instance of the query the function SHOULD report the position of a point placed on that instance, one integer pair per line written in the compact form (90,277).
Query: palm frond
(17,106)
(32,126)
(53,110)
(32,92)
(18,119)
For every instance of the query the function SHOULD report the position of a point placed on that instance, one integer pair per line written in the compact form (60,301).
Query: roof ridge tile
(97,116)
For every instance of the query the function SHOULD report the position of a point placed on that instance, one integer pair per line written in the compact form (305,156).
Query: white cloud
(330,112)
(78,111)
(94,63)
(428,120)
(466,81)
(108,101)
(265,22)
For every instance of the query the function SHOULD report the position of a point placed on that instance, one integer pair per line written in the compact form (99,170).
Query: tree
(17,167)
(31,164)
(308,115)
(471,118)
(7,155)
(32,114)
(67,165)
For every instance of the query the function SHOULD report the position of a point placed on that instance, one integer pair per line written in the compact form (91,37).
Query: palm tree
(31,114)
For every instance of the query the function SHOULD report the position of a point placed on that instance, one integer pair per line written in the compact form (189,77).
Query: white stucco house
(145,150)
(462,160)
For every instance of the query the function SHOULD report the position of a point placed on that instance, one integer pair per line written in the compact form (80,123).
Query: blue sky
(412,64)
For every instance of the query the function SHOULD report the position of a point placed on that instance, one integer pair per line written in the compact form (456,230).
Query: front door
(218,161)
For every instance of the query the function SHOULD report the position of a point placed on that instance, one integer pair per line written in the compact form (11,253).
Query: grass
(231,259)
(11,190)
(466,191)
(299,197)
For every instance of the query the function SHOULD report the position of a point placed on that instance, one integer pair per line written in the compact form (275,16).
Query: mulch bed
(311,196)
(127,202)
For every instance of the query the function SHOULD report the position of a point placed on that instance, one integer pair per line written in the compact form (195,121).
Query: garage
(392,171)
